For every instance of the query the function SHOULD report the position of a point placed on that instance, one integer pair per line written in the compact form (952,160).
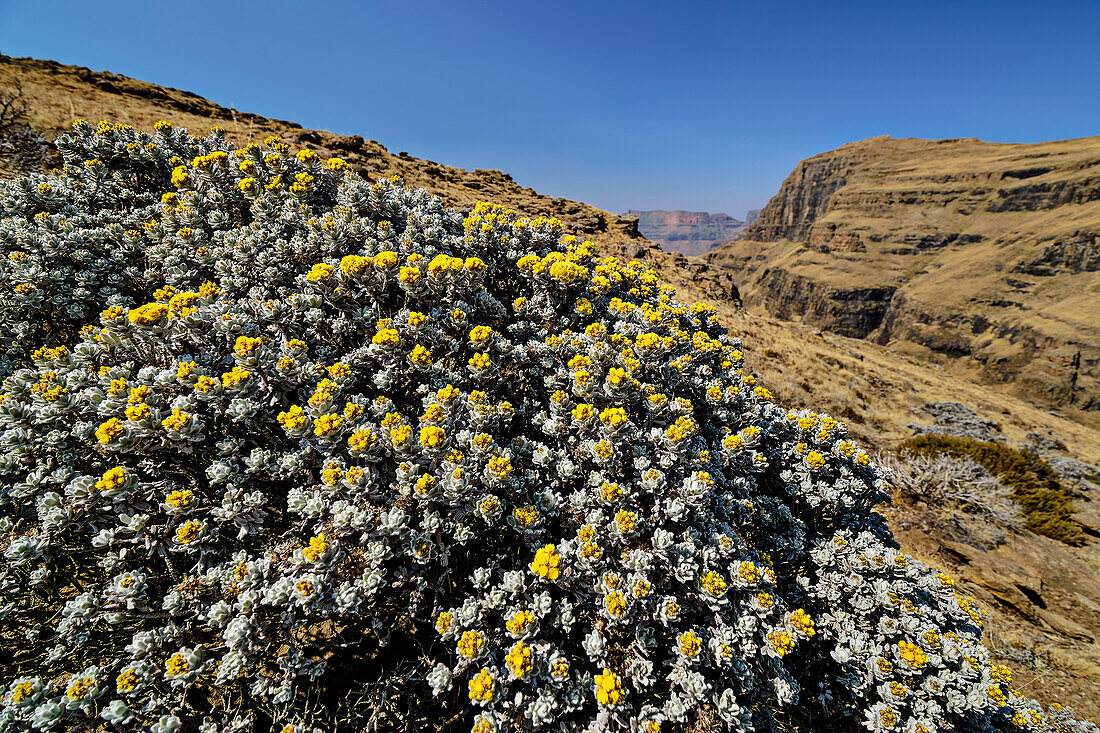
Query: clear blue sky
(640,104)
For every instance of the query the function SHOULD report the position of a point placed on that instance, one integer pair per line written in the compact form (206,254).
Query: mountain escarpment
(979,253)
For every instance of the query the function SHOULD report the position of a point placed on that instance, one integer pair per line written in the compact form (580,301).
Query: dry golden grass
(875,388)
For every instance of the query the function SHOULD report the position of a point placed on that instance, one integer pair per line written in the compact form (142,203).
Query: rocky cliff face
(687,232)
(804,196)
(854,312)
(949,249)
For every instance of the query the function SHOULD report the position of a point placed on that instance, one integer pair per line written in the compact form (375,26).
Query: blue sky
(641,104)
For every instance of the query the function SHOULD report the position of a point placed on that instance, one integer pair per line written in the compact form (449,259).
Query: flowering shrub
(328,454)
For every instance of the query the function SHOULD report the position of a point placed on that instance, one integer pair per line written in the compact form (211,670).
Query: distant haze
(690,232)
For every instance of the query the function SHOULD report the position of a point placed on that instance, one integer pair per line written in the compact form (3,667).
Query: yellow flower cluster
(179,498)
(802,621)
(713,583)
(108,431)
(317,548)
(689,644)
(547,563)
(483,686)
(782,642)
(518,660)
(188,532)
(292,418)
(148,313)
(471,644)
(112,479)
(912,654)
(608,688)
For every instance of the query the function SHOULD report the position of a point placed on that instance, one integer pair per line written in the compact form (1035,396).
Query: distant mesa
(690,232)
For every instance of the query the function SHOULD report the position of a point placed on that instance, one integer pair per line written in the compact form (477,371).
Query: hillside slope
(873,387)
(946,248)
(58,93)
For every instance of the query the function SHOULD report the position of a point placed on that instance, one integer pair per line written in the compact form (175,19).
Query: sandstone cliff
(950,249)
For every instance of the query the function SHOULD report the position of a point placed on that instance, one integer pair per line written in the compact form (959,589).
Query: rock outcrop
(854,312)
(804,196)
(950,249)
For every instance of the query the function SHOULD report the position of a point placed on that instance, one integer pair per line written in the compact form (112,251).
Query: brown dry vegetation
(1047,633)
